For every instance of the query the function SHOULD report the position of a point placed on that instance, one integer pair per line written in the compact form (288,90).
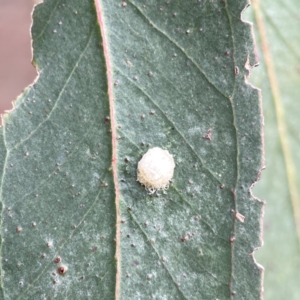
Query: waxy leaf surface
(115,79)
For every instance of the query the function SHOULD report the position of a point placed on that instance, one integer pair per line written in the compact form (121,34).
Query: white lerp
(156,169)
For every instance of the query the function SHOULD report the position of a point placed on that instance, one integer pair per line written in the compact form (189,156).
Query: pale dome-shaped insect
(156,169)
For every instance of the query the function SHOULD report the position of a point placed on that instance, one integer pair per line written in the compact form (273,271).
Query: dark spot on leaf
(57,259)
(135,263)
(183,239)
(62,270)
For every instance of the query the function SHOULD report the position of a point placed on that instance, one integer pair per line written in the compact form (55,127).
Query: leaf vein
(61,247)
(157,253)
(171,122)
(59,96)
(182,50)
(47,23)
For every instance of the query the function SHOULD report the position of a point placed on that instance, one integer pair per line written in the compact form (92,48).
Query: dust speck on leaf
(240,217)
(236,70)
(208,135)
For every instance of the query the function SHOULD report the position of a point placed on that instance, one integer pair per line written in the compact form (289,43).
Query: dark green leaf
(169,74)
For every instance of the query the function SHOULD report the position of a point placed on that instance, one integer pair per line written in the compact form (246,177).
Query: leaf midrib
(108,63)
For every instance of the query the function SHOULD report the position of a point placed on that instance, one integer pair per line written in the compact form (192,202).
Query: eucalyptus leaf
(278,44)
(116,79)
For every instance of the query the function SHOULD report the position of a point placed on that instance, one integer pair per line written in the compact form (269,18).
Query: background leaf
(278,42)
(175,76)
